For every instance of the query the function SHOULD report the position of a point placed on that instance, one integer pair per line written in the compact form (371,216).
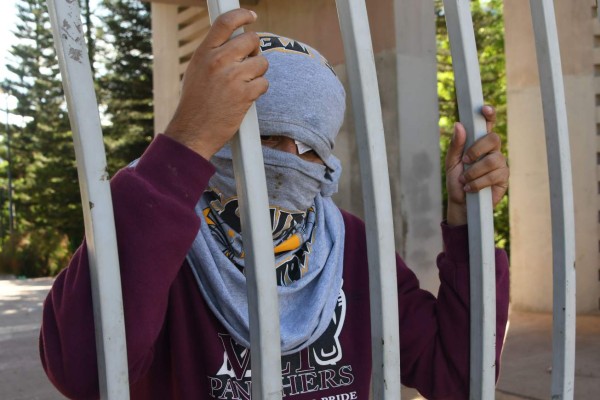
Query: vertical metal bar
(263,306)
(561,197)
(96,198)
(362,75)
(479,205)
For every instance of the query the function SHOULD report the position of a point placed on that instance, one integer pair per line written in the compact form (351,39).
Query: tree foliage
(126,88)
(46,192)
(49,221)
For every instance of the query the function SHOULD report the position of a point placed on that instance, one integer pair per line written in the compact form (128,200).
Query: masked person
(182,256)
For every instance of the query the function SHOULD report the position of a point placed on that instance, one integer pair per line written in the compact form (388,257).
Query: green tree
(126,87)
(489,36)
(46,191)
(87,12)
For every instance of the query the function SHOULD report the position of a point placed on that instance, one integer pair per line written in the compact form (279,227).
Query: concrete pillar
(419,202)
(531,258)
(166,63)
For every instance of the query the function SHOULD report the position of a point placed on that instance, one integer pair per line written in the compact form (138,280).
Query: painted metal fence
(251,184)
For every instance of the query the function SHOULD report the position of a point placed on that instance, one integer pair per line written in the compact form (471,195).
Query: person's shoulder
(350,218)
(353,224)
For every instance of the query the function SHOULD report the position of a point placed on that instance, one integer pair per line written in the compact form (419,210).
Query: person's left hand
(486,167)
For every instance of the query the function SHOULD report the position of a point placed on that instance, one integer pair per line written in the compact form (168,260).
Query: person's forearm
(435,333)
(156,223)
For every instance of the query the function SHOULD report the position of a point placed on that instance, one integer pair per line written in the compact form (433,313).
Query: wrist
(456,214)
(190,140)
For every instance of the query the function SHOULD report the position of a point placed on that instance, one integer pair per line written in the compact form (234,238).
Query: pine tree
(126,88)
(46,187)
(86,13)
(45,178)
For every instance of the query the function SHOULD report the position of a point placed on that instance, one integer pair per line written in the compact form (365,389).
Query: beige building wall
(531,258)
(177,30)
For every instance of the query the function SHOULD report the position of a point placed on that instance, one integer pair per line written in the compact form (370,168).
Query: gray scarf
(308,244)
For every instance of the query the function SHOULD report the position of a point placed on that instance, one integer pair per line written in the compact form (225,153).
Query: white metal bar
(362,76)
(561,197)
(479,205)
(96,198)
(263,306)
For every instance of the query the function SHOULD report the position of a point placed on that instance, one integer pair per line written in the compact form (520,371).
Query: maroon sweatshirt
(178,350)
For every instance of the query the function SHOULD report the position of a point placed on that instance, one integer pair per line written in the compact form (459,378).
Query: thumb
(457,146)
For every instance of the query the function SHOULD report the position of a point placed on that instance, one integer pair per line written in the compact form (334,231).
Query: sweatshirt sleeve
(155,222)
(435,334)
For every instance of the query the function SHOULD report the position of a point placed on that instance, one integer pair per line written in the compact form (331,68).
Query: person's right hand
(222,80)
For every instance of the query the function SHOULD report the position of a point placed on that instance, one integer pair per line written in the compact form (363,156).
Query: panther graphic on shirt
(316,368)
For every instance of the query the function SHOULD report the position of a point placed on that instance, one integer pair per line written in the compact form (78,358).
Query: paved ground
(21,375)
(525,372)
(527,359)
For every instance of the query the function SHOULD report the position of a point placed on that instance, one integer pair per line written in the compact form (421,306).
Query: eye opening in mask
(284,143)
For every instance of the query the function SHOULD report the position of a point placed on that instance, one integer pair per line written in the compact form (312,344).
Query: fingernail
(462,179)
(466,159)
(467,188)
(254,14)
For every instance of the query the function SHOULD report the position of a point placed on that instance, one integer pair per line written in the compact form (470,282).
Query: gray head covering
(305,101)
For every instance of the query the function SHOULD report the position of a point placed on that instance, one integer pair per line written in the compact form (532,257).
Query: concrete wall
(420,198)
(531,258)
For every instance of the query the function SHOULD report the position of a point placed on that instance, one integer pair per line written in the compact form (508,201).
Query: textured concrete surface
(527,359)
(21,374)
(526,363)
